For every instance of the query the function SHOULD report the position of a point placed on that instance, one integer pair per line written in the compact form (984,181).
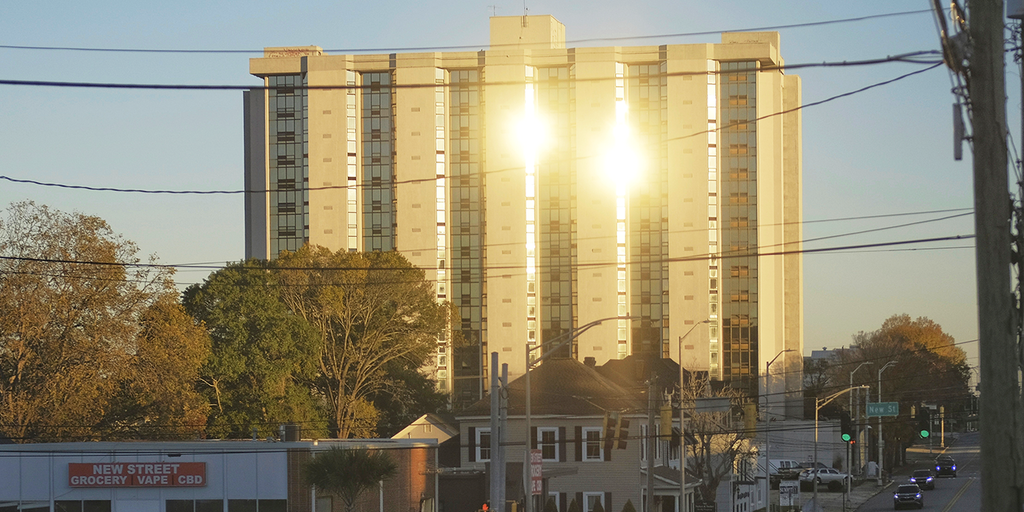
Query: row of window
(169,506)
(549,444)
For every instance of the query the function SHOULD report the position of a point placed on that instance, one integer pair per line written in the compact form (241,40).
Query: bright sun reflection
(623,161)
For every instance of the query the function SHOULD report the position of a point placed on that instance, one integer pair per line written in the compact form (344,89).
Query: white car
(825,476)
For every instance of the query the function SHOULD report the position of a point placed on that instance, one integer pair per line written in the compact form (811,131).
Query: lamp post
(857,437)
(881,440)
(768,424)
(569,336)
(818,404)
(682,429)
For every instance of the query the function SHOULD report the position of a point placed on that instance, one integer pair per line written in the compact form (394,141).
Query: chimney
(591,362)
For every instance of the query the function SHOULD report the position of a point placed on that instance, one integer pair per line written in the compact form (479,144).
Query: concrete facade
(545,187)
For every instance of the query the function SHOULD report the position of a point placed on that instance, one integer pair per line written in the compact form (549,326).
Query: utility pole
(651,438)
(1000,411)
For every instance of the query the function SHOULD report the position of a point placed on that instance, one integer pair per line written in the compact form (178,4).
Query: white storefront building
(200,476)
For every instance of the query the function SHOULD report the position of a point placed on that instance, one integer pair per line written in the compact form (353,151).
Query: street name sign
(884,409)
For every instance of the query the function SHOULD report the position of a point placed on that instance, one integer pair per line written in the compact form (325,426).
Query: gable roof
(564,387)
(440,429)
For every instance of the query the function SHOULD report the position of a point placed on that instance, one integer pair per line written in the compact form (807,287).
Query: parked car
(833,478)
(945,465)
(924,478)
(907,495)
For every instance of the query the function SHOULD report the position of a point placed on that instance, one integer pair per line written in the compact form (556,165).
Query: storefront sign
(137,474)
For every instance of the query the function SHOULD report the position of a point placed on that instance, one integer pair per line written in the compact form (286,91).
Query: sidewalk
(860,492)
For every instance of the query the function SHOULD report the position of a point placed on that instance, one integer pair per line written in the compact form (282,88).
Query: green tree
(550,506)
(373,311)
(573,506)
(159,399)
(262,356)
(71,294)
(348,472)
(628,507)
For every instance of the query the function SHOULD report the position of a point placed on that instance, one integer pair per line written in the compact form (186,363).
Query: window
(483,444)
(192,506)
(657,444)
(592,449)
(547,442)
(592,498)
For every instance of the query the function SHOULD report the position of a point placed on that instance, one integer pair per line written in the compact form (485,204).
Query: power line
(425,179)
(470,47)
(907,58)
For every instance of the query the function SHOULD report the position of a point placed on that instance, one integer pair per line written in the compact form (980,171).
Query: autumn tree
(718,444)
(158,398)
(374,312)
(348,472)
(927,368)
(71,295)
(263,357)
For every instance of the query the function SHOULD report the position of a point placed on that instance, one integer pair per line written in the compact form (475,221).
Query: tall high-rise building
(545,187)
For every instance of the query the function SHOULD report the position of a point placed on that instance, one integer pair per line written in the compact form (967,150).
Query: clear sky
(881,152)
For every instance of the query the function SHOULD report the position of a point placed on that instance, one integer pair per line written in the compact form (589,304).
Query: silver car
(825,476)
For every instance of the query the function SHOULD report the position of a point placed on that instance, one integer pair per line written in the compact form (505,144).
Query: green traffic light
(846,438)
(925,434)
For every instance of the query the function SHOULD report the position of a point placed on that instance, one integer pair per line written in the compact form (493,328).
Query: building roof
(439,428)
(564,387)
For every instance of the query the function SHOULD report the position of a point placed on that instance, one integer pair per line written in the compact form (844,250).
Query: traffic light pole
(818,404)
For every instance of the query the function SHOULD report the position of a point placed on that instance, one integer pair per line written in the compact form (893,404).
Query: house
(569,405)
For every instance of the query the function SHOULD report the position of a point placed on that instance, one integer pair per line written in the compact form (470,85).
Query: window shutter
(578,444)
(608,501)
(580,502)
(562,505)
(472,444)
(562,444)
(533,438)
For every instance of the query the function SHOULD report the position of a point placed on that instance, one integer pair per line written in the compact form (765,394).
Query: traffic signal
(611,423)
(666,420)
(924,424)
(846,427)
(623,433)
(749,420)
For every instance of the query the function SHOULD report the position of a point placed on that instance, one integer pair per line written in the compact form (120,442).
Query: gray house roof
(564,387)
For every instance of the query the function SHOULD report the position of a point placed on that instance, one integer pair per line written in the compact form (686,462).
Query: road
(960,494)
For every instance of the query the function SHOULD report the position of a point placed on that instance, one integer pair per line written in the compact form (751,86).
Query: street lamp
(569,336)
(768,423)
(880,439)
(682,429)
(848,450)
(818,404)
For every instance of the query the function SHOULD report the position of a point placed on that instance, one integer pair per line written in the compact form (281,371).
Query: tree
(717,446)
(927,367)
(262,356)
(159,399)
(372,311)
(71,293)
(817,376)
(573,506)
(348,472)
(549,506)
(628,507)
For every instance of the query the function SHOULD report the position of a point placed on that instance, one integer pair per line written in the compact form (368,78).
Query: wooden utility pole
(999,388)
